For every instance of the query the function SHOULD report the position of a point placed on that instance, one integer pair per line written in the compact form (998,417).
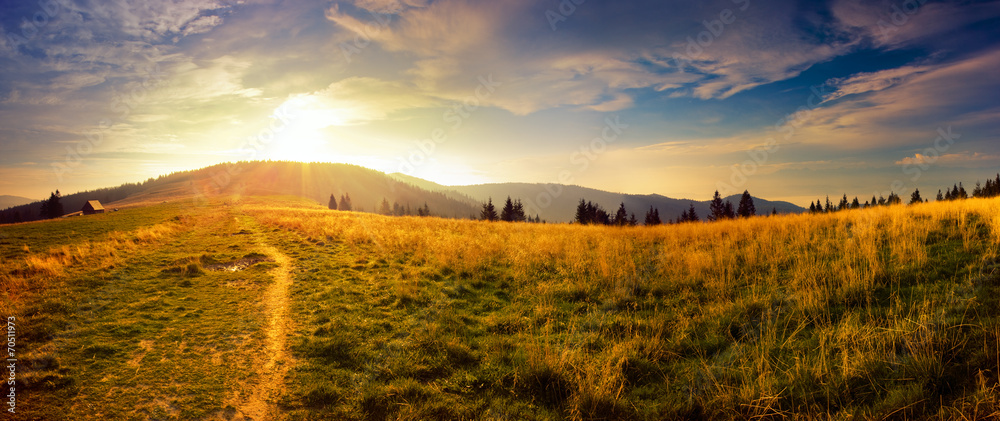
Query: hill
(367,188)
(11,201)
(557,203)
(315,181)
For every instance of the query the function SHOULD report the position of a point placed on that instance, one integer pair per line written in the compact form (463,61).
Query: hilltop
(367,188)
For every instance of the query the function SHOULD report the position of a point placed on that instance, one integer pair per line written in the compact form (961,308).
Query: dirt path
(261,404)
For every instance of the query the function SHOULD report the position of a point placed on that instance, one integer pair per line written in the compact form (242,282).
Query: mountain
(11,201)
(317,181)
(367,188)
(557,202)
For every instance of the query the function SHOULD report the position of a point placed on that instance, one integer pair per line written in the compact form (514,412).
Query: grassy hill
(240,307)
(557,203)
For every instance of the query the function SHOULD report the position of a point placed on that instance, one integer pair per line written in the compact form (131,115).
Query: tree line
(512,211)
(382,208)
(955,192)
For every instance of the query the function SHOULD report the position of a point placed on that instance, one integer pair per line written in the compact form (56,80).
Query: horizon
(790,102)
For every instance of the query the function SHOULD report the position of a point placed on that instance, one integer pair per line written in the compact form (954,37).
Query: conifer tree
(746,208)
(582,216)
(855,204)
(507,213)
(728,210)
(915,197)
(653,216)
(621,216)
(345,202)
(518,212)
(717,209)
(940,197)
(693,215)
(384,208)
(812,207)
(333,202)
(489,212)
(843,203)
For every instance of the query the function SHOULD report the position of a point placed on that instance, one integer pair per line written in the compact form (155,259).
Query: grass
(881,313)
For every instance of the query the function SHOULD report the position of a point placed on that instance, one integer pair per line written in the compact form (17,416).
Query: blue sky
(791,100)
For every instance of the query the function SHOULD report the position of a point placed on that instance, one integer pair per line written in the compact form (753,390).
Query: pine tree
(507,213)
(812,207)
(518,213)
(873,201)
(582,215)
(345,202)
(728,210)
(632,221)
(333,202)
(961,192)
(915,197)
(653,216)
(489,212)
(717,209)
(774,211)
(384,208)
(621,217)
(843,203)
(940,197)
(746,208)
(52,208)
(829,205)
(693,216)
(856,204)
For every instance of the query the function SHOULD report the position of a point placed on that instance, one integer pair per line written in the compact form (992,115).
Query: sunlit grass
(884,312)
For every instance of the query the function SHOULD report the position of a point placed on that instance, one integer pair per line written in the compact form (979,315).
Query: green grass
(380,331)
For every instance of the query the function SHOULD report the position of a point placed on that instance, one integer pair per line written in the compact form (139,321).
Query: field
(275,308)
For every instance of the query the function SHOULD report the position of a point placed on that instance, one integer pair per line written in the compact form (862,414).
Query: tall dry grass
(806,314)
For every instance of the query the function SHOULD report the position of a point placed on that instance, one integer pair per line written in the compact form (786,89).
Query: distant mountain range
(11,201)
(557,202)
(367,188)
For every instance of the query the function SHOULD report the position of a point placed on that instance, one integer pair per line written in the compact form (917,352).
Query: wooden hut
(92,207)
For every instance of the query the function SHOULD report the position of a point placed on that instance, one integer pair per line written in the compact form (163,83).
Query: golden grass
(775,277)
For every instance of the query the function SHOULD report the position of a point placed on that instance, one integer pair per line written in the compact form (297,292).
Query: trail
(261,404)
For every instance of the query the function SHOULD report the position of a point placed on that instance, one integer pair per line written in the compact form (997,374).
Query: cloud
(353,101)
(873,82)
(949,159)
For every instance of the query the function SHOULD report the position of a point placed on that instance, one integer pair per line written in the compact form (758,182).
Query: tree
(518,213)
(893,199)
(489,212)
(746,208)
(582,214)
(384,208)
(855,204)
(621,216)
(843,205)
(653,217)
(829,205)
(961,192)
(774,211)
(717,209)
(915,197)
(939,197)
(424,211)
(507,213)
(333,202)
(728,211)
(689,215)
(345,202)
(632,221)
(812,207)
(52,208)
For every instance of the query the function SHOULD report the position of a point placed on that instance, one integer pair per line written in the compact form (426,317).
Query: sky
(789,100)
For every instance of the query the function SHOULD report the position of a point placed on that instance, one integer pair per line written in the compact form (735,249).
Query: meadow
(277,308)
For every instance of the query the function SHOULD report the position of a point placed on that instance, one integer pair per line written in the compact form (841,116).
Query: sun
(300,136)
